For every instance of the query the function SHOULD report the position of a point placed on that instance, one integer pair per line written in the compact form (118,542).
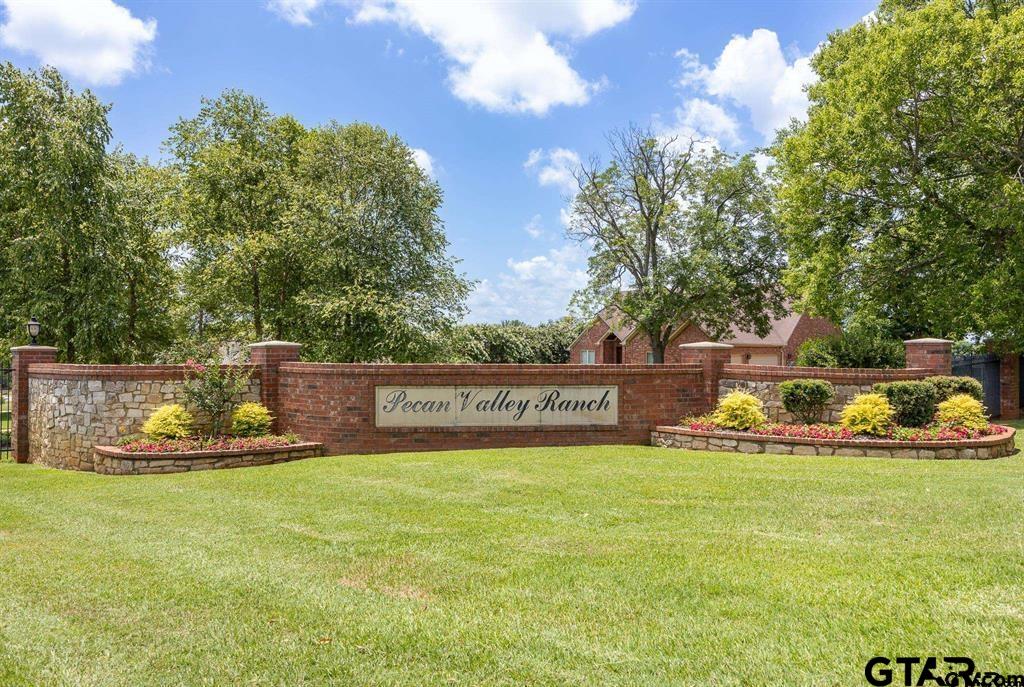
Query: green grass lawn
(613,565)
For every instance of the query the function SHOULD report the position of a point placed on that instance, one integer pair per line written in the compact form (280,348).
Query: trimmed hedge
(948,387)
(913,403)
(807,399)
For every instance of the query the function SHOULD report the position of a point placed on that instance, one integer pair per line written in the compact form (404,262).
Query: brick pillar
(933,354)
(713,356)
(269,355)
(1009,387)
(21,358)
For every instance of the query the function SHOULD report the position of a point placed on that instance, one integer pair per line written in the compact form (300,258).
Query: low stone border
(111,460)
(995,446)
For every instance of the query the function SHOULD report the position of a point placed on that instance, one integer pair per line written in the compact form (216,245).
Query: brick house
(611,339)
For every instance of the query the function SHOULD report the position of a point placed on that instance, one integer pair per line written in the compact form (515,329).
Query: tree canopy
(903,193)
(81,245)
(678,230)
(258,227)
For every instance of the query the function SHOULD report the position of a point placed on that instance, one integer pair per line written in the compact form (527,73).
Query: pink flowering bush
(221,443)
(933,432)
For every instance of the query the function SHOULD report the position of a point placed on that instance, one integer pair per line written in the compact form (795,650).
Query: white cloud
(424,161)
(97,41)
(709,120)
(535,227)
(753,73)
(295,12)
(503,53)
(554,167)
(533,290)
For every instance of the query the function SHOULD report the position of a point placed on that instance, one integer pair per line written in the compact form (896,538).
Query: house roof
(779,335)
(780,332)
(617,322)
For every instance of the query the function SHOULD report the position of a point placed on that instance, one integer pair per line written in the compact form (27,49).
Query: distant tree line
(515,342)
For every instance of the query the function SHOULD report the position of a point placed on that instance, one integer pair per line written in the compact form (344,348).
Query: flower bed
(221,443)
(833,431)
(995,441)
(140,457)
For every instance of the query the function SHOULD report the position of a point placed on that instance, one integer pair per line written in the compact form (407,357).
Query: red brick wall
(1009,387)
(590,340)
(334,404)
(836,375)
(636,349)
(934,354)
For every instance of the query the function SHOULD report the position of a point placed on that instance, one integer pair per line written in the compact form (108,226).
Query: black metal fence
(984,368)
(5,413)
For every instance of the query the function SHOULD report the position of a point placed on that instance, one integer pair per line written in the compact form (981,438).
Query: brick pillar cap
(927,341)
(35,348)
(275,344)
(707,344)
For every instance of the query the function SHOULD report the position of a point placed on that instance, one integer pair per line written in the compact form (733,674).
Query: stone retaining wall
(110,460)
(73,408)
(996,446)
(763,381)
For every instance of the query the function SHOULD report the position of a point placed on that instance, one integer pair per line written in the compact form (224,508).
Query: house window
(650,357)
(587,357)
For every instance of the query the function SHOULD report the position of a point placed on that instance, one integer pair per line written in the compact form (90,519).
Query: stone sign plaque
(496,406)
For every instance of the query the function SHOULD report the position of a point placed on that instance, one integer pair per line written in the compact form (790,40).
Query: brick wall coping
(117,452)
(842,374)
(126,372)
(982,442)
(430,369)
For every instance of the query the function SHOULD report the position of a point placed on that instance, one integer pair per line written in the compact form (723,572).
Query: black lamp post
(33,329)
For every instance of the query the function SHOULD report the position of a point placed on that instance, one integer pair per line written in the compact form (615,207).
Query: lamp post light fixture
(33,327)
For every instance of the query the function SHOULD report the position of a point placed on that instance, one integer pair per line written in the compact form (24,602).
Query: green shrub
(947,386)
(866,341)
(818,352)
(251,420)
(168,422)
(868,414)
(807,399)
(913,403)
(962,410)
(739,410)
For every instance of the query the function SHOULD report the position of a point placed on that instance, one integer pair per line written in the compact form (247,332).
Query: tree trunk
(257,309)
(658,349)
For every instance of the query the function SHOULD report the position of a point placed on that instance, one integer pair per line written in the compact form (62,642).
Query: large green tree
(239,262)
(80,244)
(329,236)
(376,280)
(678,230)
(903,193)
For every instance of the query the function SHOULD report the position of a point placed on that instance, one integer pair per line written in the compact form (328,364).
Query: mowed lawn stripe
(592,565)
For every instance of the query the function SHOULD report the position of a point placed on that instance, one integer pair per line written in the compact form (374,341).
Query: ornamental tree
(678,230)
(903,193)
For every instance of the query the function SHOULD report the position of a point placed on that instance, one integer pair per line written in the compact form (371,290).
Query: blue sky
(499,99)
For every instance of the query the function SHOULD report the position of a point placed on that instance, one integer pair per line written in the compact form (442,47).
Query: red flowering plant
(137,445)
(214,390)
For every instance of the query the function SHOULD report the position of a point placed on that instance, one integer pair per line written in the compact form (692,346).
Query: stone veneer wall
(109,460)
(763,381)
(73,408)
(996,446)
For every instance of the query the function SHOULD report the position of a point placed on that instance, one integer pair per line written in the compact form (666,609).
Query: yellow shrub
(168,422)
(739,410)
(962,410)
(867,414)
(251,420)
